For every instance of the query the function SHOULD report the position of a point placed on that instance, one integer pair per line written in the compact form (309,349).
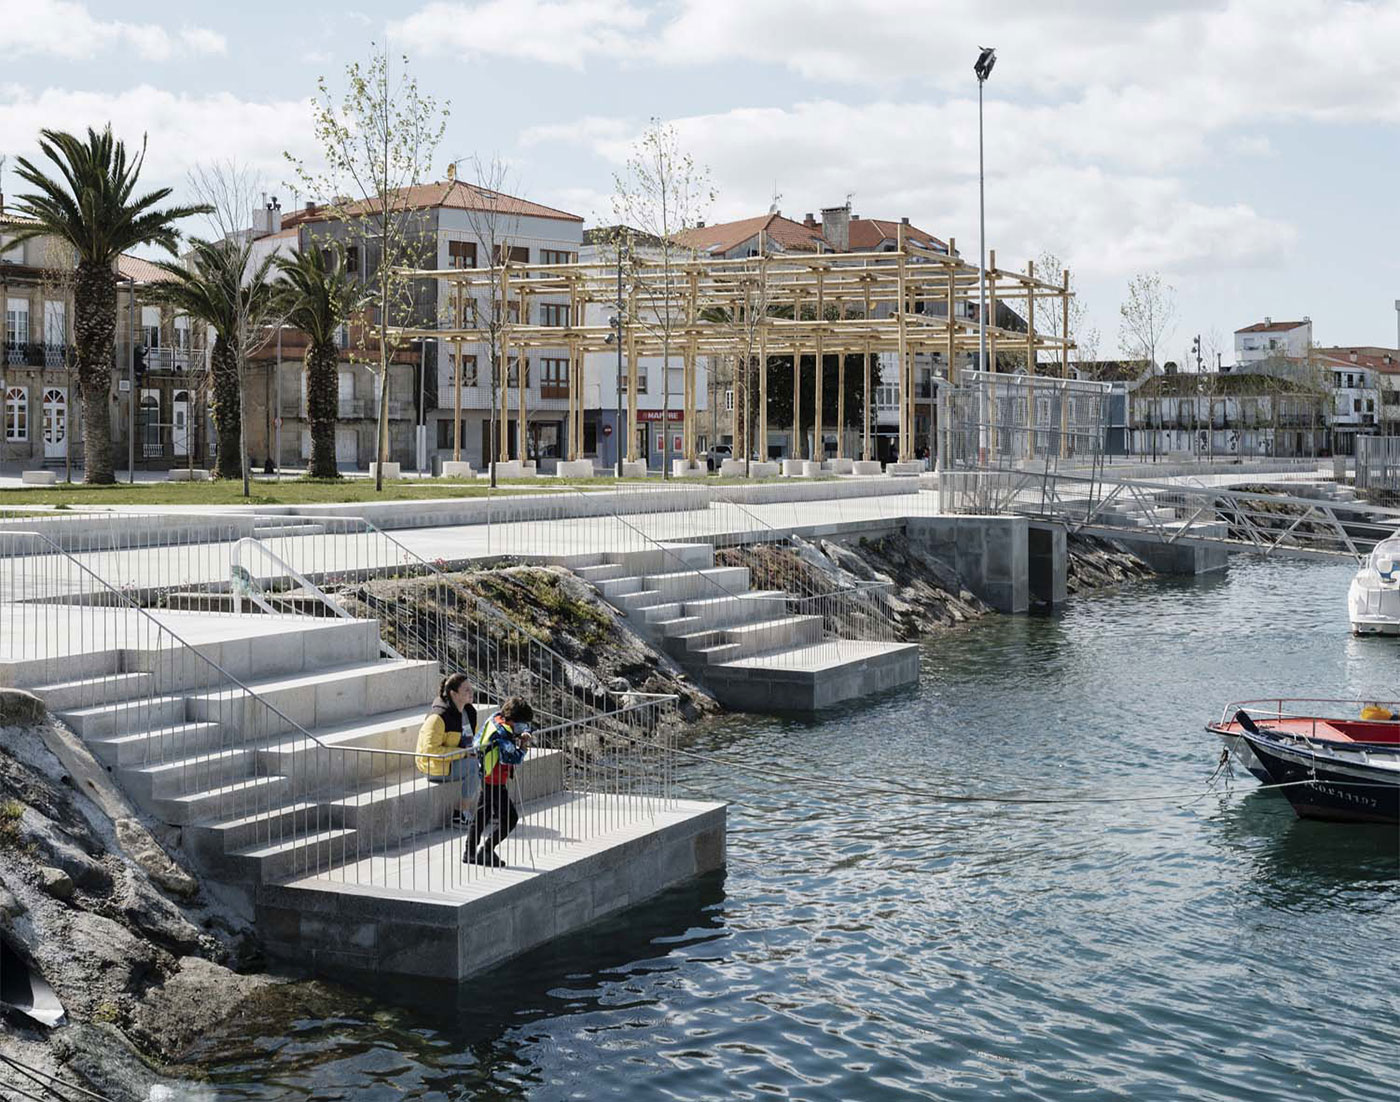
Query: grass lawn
(289,491)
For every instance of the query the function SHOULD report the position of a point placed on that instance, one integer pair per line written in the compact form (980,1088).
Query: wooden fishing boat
(1328,761)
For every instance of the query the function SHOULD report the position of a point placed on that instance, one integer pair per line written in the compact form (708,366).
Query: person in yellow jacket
(450,726)
(1375,710)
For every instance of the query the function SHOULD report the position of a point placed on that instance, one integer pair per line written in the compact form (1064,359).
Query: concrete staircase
(259,801)
(727,635)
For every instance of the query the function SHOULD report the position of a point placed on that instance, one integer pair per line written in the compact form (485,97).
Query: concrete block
(634,468)
(574,468)
(768,469)
(187,474)
(866,467)
(793,468)
(842,466)
(278,652)
(454,468)
(734,468)
(685,468)
(811,468)
(391,470)
(38,478)
(904,470)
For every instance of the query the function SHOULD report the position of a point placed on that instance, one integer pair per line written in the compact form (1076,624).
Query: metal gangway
(1293,523)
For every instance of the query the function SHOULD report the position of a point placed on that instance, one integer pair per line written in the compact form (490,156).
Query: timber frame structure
(809,306)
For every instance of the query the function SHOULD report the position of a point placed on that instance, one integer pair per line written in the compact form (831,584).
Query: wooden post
(797,387)
(991,321)
(457,382)
(502,443)
(867,406)
(905,390)
(841,391)
(1064,364)
(632,380)
(818,437)
(762,441)
(690,342)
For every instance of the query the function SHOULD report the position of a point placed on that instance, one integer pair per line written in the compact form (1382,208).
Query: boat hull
(1323,786)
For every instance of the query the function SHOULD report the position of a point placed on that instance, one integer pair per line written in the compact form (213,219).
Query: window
(513,372)
(729,400)
(557,256)
(518,254)
(342,335)
(17,413)
(641,380)
(17,321)
(150,326)
(554,313)
(352,260)
(1356,405)
(444,434)
(55,322)
(468,367)
(461,254)
(513,311)
(554,378)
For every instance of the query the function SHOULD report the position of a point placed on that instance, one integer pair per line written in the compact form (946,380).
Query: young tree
(378,141)
(1049,318)
(91,203)
(662,192)
(318,296)
(1146,316)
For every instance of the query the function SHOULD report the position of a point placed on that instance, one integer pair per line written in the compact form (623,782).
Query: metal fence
(1378,462)
(261,682)
(1009,422)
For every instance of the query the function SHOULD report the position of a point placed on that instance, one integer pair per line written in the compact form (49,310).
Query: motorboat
(1373,601)
(1334,760)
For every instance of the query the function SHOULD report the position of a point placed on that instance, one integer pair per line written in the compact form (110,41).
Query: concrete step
(222,802)
(303,855)
(664,558)
(125,717)
(161,744)
(210,842)
(335,748)
(27,672)
(715,581)
(164,780)
(723,652)
(319,698)
(771,635)
(616,588)
(602,572)
(87,692)
(290,528)
(758,604)
(667,610)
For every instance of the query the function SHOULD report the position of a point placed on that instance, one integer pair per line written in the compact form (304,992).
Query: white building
(1366,392)
(603,398)
(1269,339)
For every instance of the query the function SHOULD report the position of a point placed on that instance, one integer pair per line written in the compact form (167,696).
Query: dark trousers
(493,803)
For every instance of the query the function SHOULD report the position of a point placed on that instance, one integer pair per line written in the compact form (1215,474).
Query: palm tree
(90,205)
(223,287)
(317,295)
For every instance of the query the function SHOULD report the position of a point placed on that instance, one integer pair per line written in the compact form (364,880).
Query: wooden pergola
(807,306)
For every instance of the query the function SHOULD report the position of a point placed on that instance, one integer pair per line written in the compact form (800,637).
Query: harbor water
(874,939)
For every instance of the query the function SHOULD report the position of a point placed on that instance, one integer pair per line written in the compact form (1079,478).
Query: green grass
(289,491)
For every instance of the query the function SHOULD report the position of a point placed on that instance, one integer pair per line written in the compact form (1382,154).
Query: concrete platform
(422,912)
(808,679)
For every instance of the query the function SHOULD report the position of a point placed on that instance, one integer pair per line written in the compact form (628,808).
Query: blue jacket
(497,750)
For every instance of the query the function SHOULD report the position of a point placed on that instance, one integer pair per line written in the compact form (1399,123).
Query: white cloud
(64,29)
(559,32)
(182,130)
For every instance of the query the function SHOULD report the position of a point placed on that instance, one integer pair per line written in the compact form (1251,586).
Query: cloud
(558,32)
(63,29)
(182,130)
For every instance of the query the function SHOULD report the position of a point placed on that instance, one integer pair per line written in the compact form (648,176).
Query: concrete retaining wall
(990,553)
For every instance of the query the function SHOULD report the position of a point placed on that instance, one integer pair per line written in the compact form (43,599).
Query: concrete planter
(514,468)
(842,466)
(866,467)
(733,468)
(766,469)
(685,468)
(391,470)
(38,478)
(187,474)
(905,470)
(454,468)
(794,468)
(634,468)
(811,468)
(574,468)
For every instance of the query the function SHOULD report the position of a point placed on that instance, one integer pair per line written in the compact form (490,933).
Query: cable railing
(281,740)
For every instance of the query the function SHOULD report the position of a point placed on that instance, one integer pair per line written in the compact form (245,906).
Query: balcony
(36,354)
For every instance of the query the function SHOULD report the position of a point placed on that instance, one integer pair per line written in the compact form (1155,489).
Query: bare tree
(1146,316)
(378,141)
(662,192)
(1047,267)
(495,225)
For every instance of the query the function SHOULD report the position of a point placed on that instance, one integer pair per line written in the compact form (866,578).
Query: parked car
(717,454)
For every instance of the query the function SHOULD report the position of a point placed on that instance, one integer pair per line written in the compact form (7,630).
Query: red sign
(607,430)
(655,415)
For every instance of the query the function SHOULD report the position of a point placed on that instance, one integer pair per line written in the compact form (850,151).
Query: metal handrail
(1279,701)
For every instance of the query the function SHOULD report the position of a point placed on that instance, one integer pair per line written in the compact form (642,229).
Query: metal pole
(617,333)
(420,451)
(982,250)
(277,405)
(131,382)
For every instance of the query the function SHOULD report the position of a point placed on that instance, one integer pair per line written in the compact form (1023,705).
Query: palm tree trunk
(227,411)
(94,329)
(322,400)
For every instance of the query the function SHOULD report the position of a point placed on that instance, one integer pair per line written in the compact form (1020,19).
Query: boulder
(154,861)
(56,882)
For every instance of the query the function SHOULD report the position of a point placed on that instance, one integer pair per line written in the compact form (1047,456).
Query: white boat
(1374,598)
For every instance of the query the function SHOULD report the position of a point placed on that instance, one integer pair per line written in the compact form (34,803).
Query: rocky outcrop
(1100,564)
(141,956)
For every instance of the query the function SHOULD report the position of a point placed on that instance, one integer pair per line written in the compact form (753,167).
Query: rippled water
(904,947)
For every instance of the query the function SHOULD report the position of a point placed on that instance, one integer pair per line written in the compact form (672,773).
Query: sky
(1246,150)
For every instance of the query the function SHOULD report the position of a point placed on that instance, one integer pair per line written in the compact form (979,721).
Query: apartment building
(1269,339)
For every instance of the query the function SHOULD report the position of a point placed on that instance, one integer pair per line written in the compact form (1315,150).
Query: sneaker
(485,857)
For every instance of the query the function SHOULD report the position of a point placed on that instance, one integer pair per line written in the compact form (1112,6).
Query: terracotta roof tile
(143,271)
(870,233)
(1271,326)
(724,236)
(456,195)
